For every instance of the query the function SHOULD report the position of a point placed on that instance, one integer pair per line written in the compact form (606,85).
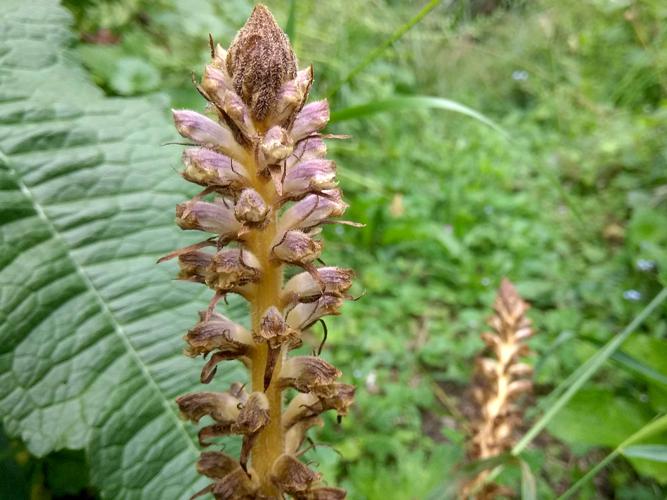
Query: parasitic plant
(500,378)
(267,190)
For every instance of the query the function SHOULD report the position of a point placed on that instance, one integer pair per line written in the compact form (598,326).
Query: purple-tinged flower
(312,118)
(208,168)
(217,217)
(276,145)
(311,148)
(292,95)
(312,211)
(239,113)
(216,81)
(207,133)
(309,176)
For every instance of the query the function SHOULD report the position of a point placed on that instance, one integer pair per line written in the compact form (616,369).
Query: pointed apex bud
(260,60)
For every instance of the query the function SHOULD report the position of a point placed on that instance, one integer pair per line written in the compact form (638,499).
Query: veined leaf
(91,326)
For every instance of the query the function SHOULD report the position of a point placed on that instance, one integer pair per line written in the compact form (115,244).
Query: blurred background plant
(572,207)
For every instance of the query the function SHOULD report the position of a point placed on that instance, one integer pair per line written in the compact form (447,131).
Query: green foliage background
(572,207)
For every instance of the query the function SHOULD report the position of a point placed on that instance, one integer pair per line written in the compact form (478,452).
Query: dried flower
(267,190)
(499,380)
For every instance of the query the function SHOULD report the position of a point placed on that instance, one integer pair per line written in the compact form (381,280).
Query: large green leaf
(90,327)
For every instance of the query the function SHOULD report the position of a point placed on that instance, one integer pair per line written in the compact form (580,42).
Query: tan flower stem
(270,442)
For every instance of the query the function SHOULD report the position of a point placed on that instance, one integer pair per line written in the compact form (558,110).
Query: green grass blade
(412,102)
(625,360)
(528,483)
(377,51)
(632,364)
(654,452)
(290,27)
(570,386)
(654,427)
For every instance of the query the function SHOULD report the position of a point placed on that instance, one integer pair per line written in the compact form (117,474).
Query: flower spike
(266,191)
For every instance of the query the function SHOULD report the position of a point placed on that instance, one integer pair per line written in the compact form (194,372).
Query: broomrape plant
(500,378)
(268,189)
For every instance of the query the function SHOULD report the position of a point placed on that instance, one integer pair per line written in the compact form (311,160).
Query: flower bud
(305,314)
(217,217)
(304,373)
(236,109)
(233,268)
(310,176)
(296,247)
(291,96)
(276,145)
(250,208)
(207,133)
(215,80)
(208,168)
(312,118)
(312,211)
(218,333)
(220,406)
(259,60)
(291,476)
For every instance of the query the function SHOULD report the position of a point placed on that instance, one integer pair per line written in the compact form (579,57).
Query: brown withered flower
(500,379)
(267,188)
